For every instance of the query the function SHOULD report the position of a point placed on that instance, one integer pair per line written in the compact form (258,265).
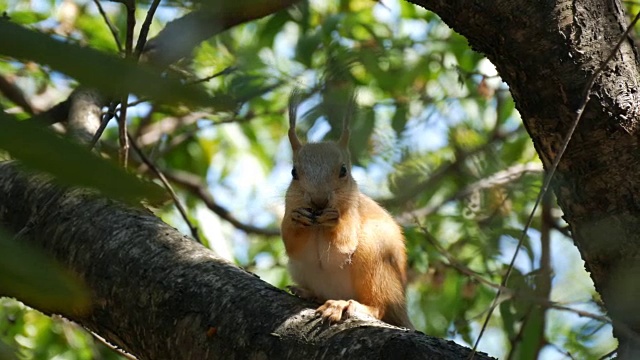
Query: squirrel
(344,249)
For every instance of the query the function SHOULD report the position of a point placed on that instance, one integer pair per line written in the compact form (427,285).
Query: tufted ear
(349,113)
(294,101)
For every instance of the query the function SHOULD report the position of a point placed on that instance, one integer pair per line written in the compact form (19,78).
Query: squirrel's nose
(320,202)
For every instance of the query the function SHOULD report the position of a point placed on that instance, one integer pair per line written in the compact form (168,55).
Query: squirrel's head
(321,173)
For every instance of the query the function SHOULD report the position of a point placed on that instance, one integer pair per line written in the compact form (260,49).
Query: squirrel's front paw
(303,216)
(328,217)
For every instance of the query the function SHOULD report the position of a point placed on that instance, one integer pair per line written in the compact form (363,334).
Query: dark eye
(294,174)
(343,171)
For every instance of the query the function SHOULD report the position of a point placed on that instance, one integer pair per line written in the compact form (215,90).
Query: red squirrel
(344,249)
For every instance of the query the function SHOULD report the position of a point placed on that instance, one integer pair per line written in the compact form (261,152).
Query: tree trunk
(159,295)
(546,51)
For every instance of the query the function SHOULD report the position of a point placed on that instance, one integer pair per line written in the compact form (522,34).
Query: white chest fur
(324,270)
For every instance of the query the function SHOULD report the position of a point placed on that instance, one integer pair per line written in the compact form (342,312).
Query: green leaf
(92,68)
(71,163)
(27,17)
(31,276)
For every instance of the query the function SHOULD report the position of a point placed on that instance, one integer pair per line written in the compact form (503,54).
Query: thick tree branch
(159,295)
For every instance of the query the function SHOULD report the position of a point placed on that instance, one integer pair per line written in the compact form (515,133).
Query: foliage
(436,139)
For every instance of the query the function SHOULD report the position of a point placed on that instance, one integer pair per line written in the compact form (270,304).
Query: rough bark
(159,295)
(546,51)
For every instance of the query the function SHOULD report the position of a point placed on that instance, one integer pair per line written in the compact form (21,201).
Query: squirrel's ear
(294,100)
(351,106)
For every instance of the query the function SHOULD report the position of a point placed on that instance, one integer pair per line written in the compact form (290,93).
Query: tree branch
(500,178)
(85,114)
(159,295)
(195,185)
(12,92)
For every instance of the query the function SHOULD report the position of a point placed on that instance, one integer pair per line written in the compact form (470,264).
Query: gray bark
(159,295)
(546,51)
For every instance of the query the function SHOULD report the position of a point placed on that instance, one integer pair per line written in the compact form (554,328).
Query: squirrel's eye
(343,171)
(294,174)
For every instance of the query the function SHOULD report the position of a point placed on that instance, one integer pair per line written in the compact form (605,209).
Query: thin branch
(12,92)
(112,28)
(463,269)
(443,170)
(500,178)
(163,179)
(106,117)
(225,71)
(168,125)
(122,118)
(586,96)
(58,113)
(130,5)
(144,30)
(195,185)
(122,132)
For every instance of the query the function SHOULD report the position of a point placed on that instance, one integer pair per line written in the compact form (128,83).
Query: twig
(224,71)
(586,96)
(197,188)
(112,28)
(122,132)
(106,117)
(130,5)
(144,30)
(443,170)
(500,178)
(457,265)
(163,179)
(123,137)
(12,92)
